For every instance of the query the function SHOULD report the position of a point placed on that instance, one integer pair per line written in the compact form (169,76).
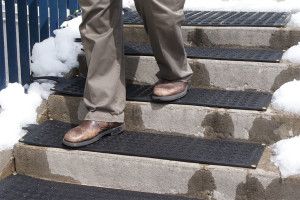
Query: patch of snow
(56,56)
(287,157)
(51,57)
(128,3)
(18,109)
(287,99)
(295,20)
(292,54)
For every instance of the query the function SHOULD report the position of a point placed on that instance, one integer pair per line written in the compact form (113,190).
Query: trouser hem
(104,117)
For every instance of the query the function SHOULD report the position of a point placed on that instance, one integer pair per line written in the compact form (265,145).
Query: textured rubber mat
(222,18)
(254,55)
(22,187)
(196,96)
(70,86)
(178,148)
(208,97)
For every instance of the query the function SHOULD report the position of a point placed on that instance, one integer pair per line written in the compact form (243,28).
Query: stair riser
(233,37)
(153,175)
(264,127)
(230,75)
(6,164)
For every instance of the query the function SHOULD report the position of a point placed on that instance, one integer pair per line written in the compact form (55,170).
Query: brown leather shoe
(89,132)
(168,90)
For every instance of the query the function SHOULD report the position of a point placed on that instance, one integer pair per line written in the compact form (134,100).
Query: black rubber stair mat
(254,55)
(69,86)
(196,96)
(22,187)
(178,148)
(207,97)
(222,18)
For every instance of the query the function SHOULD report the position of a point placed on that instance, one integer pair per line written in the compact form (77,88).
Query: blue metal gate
(40,27)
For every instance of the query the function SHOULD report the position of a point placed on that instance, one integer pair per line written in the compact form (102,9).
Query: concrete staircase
(173,177)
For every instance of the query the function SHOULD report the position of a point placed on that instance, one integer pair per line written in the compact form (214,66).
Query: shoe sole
(113,131)
(171,98)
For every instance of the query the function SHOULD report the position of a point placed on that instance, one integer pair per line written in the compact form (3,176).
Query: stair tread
(196,96)
(234,54)
(223,18)
(178,148)
(25,187)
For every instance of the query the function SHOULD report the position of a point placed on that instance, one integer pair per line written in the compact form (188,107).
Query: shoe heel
(118,130)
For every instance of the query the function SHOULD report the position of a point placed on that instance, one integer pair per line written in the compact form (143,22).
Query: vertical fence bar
(11,41)
(53,16)
(44,20)
(23,40)
(33,22)
(2,57)
(62,9)
(73,5)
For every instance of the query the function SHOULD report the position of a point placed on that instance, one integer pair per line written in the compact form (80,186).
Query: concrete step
(155,175)
(194,121)
(230,75)
(6,163)
(234,37)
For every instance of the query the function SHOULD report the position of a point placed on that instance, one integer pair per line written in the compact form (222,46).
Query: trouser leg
(102,37)
(162,21)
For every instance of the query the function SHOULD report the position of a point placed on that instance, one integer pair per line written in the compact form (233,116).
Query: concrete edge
(194,121)
(153,175)
(220,74)
(231,37)
(42,112)
(6,163)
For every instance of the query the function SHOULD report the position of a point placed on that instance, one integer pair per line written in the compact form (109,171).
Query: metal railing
(36,20)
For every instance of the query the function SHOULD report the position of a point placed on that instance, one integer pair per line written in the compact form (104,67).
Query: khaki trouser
(102,36)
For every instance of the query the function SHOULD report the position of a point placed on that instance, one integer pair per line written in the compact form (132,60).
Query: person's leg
(104,95)
(162,21)
(102,36)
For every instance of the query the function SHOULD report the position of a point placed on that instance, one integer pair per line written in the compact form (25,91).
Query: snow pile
(287,157)
(287,99)
(56,56)
(292,54)
(295,20)
(18,109)
(51,57)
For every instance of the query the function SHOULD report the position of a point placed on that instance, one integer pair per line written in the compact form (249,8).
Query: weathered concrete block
(6,164)
(231,37)
(156,175)
(42,112)
(230,75)
(264,127)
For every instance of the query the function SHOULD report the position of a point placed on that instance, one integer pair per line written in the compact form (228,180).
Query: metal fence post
(33,22)
(53,16)
(11,41)
(23,41)
(2,57)
(44,20)
(62,11)
(73,5)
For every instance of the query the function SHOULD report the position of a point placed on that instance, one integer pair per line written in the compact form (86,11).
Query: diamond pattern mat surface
(222,18)
(254,55)
(178,148)
(196,96)
(208,97)
(22,187)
